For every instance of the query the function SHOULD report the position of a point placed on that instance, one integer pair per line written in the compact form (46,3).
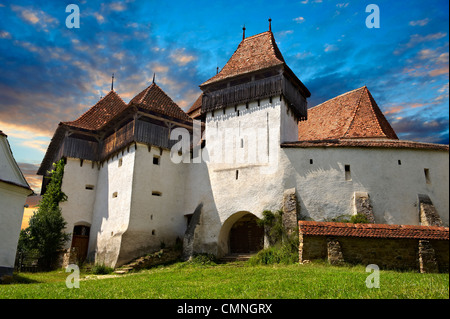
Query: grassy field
(231,281)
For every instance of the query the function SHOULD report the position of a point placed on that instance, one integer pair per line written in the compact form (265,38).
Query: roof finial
(243,32)
(154,77)
(270,25)
(217,70)
(112,82)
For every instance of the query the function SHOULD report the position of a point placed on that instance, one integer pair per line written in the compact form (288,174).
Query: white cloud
(181,58)
(5,35)
(420,23)
(299,19)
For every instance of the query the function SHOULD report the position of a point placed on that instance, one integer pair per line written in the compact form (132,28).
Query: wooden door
(80,240)
(246,236)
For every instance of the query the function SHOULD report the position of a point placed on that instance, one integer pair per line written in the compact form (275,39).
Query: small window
(310,161)
(399,162)
(237,112)
(154,193)
(156,160)
(237,174)
(114,195)
(120,162)
(242,143)
(427,175)
(348,175)
(89,187)
(153,232)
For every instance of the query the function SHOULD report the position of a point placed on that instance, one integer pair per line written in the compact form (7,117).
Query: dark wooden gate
(246,236)
(80,241)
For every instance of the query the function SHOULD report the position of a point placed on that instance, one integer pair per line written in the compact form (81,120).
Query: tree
(45,232)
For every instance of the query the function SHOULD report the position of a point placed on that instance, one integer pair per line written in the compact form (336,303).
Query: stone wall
(423,248)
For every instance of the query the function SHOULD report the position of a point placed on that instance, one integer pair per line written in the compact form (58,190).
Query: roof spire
(153,78)
(217,70)
(270,25)
(112,82)
(243,32)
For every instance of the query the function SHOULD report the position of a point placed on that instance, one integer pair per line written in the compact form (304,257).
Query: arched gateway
(240,234)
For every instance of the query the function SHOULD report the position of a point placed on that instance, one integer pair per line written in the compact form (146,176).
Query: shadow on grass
(20,279)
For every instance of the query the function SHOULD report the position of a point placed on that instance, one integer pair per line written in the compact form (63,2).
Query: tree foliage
(45,232)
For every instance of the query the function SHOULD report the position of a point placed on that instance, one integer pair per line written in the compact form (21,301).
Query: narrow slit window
(348,175)
(153,232)
(89,187)
(154,193)
(156,160)
(399,162)
(242,143)
(311,161)
(237,174)
(120,162)
(427,175)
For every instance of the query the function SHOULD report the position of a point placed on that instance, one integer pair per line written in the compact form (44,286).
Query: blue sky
(50,73)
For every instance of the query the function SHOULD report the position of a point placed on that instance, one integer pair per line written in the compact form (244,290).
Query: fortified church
(252,145)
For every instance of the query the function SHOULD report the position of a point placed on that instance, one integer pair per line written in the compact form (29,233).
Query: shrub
(100,269)
(283,246)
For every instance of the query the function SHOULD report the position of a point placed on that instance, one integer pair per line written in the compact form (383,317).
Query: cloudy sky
(50,73)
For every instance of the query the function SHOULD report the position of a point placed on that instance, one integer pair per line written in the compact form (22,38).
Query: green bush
(203,259)
(283,246)
(100,269)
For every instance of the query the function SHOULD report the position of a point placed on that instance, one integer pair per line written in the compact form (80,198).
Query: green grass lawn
(233,280)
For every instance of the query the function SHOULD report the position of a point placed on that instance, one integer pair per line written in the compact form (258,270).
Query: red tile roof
(312,228)
(372,143)
(153,98)
(354,114)
(253,53)
(196,108)
(101,113)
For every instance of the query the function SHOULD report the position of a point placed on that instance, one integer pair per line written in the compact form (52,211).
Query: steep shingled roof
(354,114)
(153,98)
(196,108)
(101,113)
(253,53)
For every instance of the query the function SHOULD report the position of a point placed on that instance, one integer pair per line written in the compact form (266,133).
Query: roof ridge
(341,95)
(78,118)
(358,105)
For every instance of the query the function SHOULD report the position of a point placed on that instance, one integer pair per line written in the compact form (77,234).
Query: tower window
(399,162)
(89,187)
(427,175)
(237,174)
(156,160)
(311,161)
(120,162)
(154,193)
(242,143)
(348,175)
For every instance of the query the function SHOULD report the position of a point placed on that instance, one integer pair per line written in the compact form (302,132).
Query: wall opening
(120,162)
(155,193)
(246,236)
(114,195)
(399,162)
(311,161)
(156,160)
(89,187)
(427,175)
(237,174)
(80,241)
(348,175)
